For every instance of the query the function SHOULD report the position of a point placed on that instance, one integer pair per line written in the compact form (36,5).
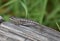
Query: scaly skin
(25,22)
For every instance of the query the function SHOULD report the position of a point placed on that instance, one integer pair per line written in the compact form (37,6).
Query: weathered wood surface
(26,30)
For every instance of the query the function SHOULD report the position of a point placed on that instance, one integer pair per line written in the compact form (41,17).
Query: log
(19,29)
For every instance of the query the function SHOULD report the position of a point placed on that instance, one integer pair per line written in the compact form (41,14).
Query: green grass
(46,12)
(58,26)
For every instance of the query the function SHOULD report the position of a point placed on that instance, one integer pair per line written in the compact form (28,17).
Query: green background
(45,12)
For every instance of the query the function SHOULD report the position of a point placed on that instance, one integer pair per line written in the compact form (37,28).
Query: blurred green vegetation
(46,12)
